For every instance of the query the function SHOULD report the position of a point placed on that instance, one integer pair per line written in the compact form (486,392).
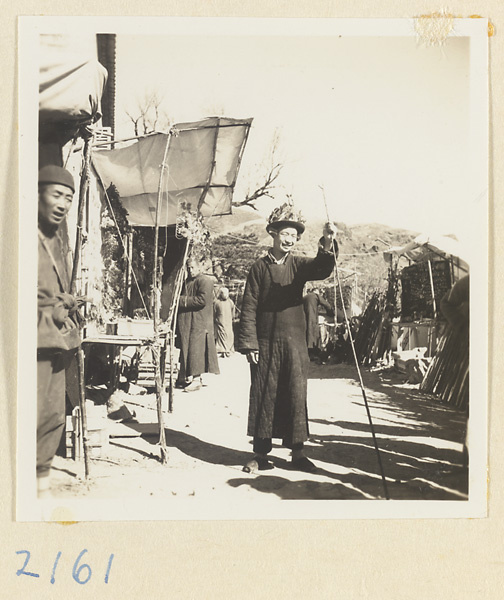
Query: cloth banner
(201,169)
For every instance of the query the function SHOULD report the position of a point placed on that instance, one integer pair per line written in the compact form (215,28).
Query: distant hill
(241,238)
(236,222)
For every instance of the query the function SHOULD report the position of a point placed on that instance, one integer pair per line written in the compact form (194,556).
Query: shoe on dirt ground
(258,463)
(194,386)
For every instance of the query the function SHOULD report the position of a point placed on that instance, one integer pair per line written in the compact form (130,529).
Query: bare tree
(264,188)
(148,115)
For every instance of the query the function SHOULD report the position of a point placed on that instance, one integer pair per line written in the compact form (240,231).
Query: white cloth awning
(425,246)
(201,168)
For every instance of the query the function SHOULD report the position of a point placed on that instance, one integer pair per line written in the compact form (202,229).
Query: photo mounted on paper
(259,269)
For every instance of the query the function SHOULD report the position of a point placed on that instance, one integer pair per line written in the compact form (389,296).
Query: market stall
(146,195)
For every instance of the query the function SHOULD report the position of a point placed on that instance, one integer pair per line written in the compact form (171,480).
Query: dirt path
(420,441)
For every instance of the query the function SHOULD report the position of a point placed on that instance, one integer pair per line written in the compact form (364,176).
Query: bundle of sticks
(370,329)
(448,374)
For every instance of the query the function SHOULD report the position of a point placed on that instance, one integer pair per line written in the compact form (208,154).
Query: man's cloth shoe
(258,463)
(303,464)
(194,386)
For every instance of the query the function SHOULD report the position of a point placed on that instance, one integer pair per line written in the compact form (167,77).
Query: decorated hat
(286,216)
(55,174)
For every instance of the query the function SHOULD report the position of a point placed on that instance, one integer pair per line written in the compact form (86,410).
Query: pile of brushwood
(448,373)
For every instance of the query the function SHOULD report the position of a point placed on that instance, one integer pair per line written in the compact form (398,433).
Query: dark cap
(55,174)
(279,225)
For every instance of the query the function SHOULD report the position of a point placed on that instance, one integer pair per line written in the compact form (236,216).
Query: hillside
(239,239)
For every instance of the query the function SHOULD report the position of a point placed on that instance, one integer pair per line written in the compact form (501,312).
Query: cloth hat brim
(276,225)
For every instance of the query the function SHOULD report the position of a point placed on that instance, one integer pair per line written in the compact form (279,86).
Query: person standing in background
(310,305)
(224,315)
(314,306)
(195,326)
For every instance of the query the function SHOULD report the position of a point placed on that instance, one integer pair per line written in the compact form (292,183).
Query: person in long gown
(224,315)
(195,328)
(273,337)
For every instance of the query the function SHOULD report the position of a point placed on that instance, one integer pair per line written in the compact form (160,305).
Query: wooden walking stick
(337,283)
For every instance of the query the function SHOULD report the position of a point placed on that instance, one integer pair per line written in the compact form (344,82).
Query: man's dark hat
(55,174)
(285,216)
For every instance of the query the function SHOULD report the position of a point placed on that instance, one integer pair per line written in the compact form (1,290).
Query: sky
(381,123)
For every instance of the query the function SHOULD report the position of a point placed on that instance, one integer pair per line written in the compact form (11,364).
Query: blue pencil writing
(22,571)
(108,568)
(76,571)
(54,567)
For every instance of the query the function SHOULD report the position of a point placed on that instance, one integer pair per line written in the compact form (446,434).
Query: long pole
(84,184)
(431,278)
(156,349)
(172,320)
(337,283)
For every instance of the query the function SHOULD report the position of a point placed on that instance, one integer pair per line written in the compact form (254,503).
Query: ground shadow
(415,469)
(201,450)
(402,461)
(305,489)
(362,480)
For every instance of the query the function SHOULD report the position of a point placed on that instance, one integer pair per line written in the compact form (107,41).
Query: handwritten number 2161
(81,572)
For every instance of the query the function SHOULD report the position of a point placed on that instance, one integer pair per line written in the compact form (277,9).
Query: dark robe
(196,329)
(273,322)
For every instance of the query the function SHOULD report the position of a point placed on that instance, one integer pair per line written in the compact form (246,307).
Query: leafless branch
(264,190)
(149,116)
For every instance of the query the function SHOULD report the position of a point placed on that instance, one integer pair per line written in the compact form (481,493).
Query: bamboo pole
(172,320)
(178,129)
(448,373)
(173,316)
(156,353)
(240,155)
(212,168)
(337,283)
(83,188)
(434,308)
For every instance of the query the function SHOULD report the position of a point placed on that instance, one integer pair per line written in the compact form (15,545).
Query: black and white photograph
(256,285)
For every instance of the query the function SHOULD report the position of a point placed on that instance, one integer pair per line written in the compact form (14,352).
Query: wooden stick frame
(83,188)
(158,352)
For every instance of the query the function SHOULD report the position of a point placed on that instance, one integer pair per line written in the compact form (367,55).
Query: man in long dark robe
(196,328)
(273,336)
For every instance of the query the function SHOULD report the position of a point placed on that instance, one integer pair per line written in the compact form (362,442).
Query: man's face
(285,239)
(194,268)
(54,203)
